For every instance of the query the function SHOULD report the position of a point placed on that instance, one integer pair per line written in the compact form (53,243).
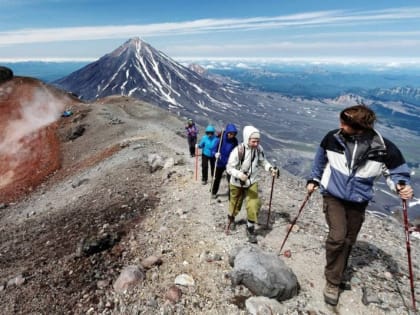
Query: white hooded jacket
(252,160)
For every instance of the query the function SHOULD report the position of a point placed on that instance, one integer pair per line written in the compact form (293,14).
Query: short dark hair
(359,117)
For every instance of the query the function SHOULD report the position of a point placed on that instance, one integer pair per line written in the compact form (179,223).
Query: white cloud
(339,34)
(320,18)
(217,62)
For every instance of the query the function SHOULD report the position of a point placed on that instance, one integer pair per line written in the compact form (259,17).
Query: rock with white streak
(184,280)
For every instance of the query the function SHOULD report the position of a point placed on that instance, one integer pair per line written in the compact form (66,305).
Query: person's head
(357,119)
(190,122)
(231,135)
(251,136)
(231,131)
(210,130)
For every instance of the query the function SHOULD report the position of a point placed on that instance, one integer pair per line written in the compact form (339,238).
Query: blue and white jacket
(347,167)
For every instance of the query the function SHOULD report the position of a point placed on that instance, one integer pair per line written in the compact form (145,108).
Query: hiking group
(346,165)
(241,163)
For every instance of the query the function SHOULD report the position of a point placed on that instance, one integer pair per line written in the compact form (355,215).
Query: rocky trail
(126,196)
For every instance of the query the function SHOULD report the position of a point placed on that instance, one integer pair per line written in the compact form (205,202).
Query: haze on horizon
(317,31)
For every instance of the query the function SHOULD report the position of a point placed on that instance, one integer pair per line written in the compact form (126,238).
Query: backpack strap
(241,153)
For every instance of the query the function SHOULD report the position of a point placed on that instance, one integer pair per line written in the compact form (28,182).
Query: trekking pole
(196,163)
(269,203)
(215,164)
(407,243)
(295,219)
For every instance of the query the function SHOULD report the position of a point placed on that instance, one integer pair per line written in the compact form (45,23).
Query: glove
(275,171)
(242,176)
(311,186)
(217,155)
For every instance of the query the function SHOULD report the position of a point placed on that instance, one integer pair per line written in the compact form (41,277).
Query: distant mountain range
(400,94)
(327,81)
(395,105)
(137,69)
(293,110)
(292,123)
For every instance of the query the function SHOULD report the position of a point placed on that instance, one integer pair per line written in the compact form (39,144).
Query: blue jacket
(226,147)
(207,143)
(346,168)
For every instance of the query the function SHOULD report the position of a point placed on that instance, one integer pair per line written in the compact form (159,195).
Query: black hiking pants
(192,141)
(205,161)
(217,178)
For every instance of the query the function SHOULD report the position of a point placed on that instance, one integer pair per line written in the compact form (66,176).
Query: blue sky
(310,30)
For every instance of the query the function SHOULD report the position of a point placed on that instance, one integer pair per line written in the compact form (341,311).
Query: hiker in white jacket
(243,165)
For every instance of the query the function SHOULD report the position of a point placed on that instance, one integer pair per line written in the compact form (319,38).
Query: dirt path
(187,230)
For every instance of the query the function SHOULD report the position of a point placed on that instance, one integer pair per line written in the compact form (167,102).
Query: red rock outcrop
(29,144)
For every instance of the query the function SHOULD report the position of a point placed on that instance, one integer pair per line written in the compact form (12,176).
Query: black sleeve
(394,157)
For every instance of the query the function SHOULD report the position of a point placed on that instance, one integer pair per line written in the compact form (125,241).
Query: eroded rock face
(29,146)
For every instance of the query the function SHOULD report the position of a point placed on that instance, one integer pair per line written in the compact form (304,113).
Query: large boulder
(263,273)
(5,74)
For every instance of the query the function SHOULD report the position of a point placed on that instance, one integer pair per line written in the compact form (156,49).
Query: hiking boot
(204,182)
(331,293)
(345,286)
(213,196)
(250,232)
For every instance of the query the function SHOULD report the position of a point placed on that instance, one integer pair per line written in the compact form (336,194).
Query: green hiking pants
(252,201)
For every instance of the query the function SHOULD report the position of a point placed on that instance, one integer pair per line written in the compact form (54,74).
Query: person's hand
(405,191)
(311,186)
(242,176)
(275,171)
(217,155)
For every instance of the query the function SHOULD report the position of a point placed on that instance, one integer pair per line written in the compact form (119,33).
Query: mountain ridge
(292,127)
